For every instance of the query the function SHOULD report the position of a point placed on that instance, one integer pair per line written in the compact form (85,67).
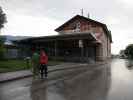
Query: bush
(2,52)
(129,51)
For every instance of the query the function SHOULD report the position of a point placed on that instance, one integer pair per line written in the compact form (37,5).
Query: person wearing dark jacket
(43,63)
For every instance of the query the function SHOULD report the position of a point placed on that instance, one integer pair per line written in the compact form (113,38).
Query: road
(112,81)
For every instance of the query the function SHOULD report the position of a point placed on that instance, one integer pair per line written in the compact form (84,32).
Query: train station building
(79,39)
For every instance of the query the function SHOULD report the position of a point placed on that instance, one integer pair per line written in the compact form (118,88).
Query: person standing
(35,64)
(43,63)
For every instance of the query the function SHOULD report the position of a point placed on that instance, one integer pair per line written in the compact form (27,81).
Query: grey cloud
(62,10)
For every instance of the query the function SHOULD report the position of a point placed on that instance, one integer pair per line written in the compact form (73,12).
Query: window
(77,27)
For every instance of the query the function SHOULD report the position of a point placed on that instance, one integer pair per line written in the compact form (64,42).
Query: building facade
(80,24)
(79,39)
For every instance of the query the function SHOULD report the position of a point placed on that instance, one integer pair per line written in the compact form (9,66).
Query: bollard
(28,62)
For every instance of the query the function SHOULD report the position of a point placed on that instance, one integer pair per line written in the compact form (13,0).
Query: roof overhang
(70,36)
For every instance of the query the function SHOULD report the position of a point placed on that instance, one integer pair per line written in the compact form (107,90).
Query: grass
(12,65)
(15,65)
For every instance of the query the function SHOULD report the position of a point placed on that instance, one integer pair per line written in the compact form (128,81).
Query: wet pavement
(112,81)
(10,76)
(121,80)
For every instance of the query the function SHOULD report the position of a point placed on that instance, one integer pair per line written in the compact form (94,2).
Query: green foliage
(12,65)
(129,51)
(2,18)
(2,21)
(20,64)
(2,49)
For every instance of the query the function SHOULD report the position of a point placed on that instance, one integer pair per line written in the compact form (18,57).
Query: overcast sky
(41,17)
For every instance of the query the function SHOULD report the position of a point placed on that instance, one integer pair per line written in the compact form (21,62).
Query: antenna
(82,12)
(88,15)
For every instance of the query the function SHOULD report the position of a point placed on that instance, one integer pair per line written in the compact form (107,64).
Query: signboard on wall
(98,35)
(80,43)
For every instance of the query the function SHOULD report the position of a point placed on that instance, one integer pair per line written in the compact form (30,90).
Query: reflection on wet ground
(122,81)
(15,90)
(113,81)
(83,86)
(129,64)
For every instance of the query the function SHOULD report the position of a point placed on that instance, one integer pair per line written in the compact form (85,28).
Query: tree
(2,21)
(129,51)
(2,18)
(2,49)
(122,54)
